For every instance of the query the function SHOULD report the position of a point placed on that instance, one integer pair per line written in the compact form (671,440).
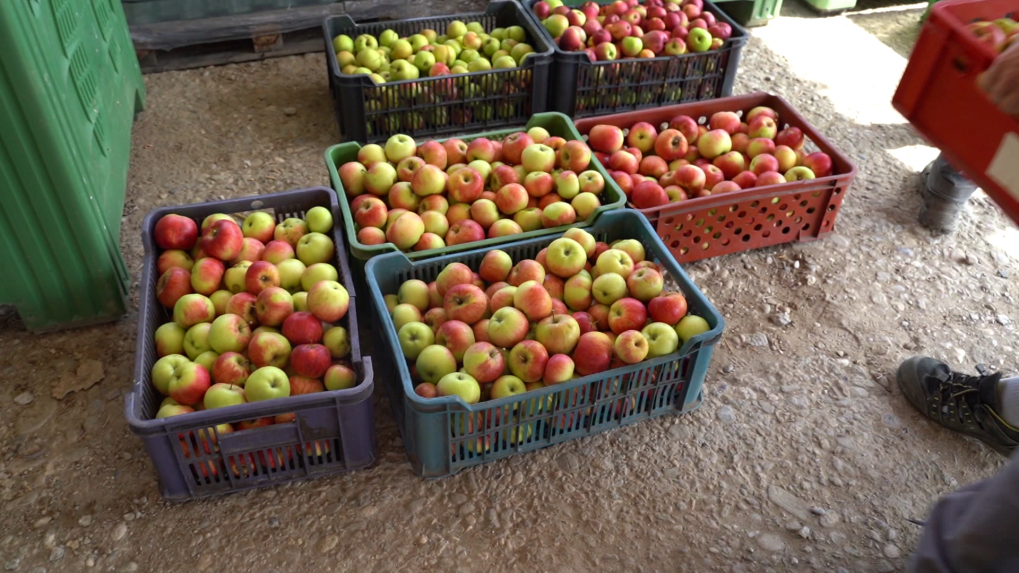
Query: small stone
(24,399)
(12,565)
(422,540)
(725,415)
(57,554)
(883,277)
(728,368)
(129,517)
(884,566)
(1003,320)
(73,544)
(781,319)
(327,543)
(119,532)
(90,562)
(131,567)
(830,519)
(893,534)
(42,521)
(85,521)
(758,339)
(1003,273)
(289,111)
(817,511)
(892,551)
(789,502)
(793,526)
(274,521)
(804,532)
(770,542)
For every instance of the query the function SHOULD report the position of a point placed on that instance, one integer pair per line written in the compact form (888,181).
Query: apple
(726,121)
(593,353)
(223,240)
(507,386)
(714,143)
(724,187)
(615,261)
(328,301)
(192,309)
(648,194)
(415,337)
(627,314)
(426,390)
(661,339)
(745,180)
(577,291)
(302,328)
(690,178)
(538,157)
(699,39)
(691,326)
(310,360)
(173,258)
(169,339)
(763,163)
(317,273)
(451,275)
(484,362)
(267,383)
(507,327)
(187,382)
(606,138)
(175,232)
(799,174)
(495,266)
(405,313)
(273,305)
(260,276)
(819,163)
(791,137)
(558,214)
(558,333)
(206,275)
(608,288)
(231,368)
(339,377)
(645,284)
(291,230)
(527,360)
(163,371)
(731,164)
(269,349)
(459,384)
(762,127)
(414,292)
(653,166)
(172,285)
(585,321)
(574,156)
(630,347)
(434,362)
(533,300)
(229,333)
(223,395)
(243,305)
(276,252)
(565,257)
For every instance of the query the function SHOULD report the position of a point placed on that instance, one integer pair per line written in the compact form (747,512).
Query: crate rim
(545,55)
(387,247)
(942,11)
(455,403)
(364,368)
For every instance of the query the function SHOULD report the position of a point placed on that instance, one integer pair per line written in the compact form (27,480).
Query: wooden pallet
(189,44)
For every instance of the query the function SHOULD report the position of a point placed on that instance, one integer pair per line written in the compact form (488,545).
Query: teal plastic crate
(69,89)
(445,435)
(557,124)
(155,11)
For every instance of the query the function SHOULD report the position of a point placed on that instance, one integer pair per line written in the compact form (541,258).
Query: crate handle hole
(746,238)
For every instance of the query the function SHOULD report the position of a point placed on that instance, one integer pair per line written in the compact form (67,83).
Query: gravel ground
(804,456)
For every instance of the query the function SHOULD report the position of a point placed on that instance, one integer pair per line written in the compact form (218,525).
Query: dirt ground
(804,456)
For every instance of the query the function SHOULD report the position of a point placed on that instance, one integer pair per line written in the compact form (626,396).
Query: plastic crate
(557,125)
(582,88)
(939,95)
(445,435)
(428,107)
(758,217)
(750,13)
(69,90)
(154,11)
(334,431)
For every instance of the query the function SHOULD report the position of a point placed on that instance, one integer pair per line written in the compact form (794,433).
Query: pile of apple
(631,29)
(579,307)
(686,160)
(463,48)
(1000,35)
(256,313)
(450,193)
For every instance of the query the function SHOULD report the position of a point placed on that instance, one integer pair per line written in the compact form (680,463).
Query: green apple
(404,314)
(424,61)
(300,301)
(319,219)
(196,341)
(315,248)
(400,50)
(690,326)
(339,377)
(456,29)
(163,371)
(417,41)
(661,339)
(521,51)
(479,65)
(223,395)
(291,271)
(491,46)
(468,56)
(170,339)
(337,341)
(415,337)
(365,42)
(565,258)
(267,383)
(516,33)
(615,261)
(459,384)
(434,362)
(404,70)
(498,34)
(414,291)
(475,27)
(387,37)
(228,333)
(608,288)
(343,43)
(370,60)
(318,272)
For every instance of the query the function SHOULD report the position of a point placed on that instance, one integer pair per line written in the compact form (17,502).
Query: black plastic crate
(428,107)
(582,88)
(334,431)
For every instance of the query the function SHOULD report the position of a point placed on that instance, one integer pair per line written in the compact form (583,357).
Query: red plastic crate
(939,95)
(707,227)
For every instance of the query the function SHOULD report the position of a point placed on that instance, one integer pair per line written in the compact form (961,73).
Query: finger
(1010,104)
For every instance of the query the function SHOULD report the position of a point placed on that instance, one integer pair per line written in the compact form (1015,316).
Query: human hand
(1001,81)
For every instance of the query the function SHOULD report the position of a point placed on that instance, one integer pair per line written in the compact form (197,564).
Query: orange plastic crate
(712,226)
(939,95)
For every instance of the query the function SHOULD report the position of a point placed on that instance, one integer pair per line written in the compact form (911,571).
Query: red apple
(175,232)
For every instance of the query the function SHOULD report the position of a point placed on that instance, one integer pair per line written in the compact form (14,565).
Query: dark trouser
(945,191)
(974,529)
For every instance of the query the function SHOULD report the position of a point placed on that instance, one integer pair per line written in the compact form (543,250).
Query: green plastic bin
(69,89)
(557,124)
(444,435)
(751,13)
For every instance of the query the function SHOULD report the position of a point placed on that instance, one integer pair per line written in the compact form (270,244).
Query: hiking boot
(945,192)
(965,404)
